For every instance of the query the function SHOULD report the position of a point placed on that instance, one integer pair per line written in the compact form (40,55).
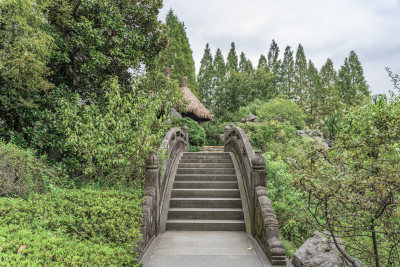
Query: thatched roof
(195,107)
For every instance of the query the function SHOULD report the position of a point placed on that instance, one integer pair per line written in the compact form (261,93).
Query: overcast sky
(325,28)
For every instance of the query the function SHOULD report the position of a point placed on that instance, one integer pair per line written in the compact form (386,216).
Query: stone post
(185,81)
(258,178)
(258,174)
(224,136)
(167,72)
(186,132)
(152,180)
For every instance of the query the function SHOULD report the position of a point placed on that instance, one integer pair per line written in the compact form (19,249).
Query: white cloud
(327,29)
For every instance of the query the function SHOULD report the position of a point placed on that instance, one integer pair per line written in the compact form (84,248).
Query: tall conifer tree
(358,81)
(330,99)
(344,82)
(232,59)
(205,78)
(274,62)
(245,64)
(262,63)
(351,81)
(300,74)
(313,88)
(178,55)
(219,79)
(287,73)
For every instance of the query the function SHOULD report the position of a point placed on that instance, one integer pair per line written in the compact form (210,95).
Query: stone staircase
(212,149)
(205,194)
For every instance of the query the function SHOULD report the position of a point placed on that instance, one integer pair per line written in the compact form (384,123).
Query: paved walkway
(204,249)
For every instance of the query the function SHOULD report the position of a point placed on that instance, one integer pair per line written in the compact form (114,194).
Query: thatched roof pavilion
(194,109)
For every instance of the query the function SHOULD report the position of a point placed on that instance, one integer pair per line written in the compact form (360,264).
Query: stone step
(212,149)
(206,184)
(205,177)
(216,160)
(205,203)
(200,155)
(203,193)
(205,214)
(206,225)
(205,171)
(205,165)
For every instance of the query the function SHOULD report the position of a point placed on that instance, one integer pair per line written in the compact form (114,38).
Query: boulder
(175,114)
(301,133)
(318,137)
(320,250)
(250,118)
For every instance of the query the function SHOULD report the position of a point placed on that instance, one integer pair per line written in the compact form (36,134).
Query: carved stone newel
(153,180)
(185,81)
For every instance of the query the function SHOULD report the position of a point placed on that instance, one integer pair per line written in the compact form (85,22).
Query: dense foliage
(79,88)
(117,136)
(71,227)
(48,47)
(197,134)
(22,174)
(354,187)
(226,87)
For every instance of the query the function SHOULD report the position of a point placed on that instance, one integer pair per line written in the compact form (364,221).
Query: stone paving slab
(204,249)
(202,261)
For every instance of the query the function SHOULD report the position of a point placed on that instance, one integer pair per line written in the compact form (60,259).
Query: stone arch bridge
(209,209)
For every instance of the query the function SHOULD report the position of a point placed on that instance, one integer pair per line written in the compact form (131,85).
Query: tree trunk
(375,245)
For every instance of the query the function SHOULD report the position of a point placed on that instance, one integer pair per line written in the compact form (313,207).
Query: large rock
(318,137)
(250,118)
(175,114)
(320,250)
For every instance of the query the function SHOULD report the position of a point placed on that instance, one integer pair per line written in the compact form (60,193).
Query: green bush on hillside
(197,134)
(283,110)
(71,227)
(21,174)
(243,111)
(111,141)
(213,129)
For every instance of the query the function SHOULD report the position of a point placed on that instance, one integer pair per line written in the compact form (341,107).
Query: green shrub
(197,134)
(21,174)
(111,141)
(243,111)
(262,135)
(283,110)
(71,227)
(213,129)
(289,203)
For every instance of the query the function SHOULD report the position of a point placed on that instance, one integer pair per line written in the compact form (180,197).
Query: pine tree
(205,78)
(218,81)
(178,55)
(232,60)
(262,63)
(330,99)
(344,83)
(287,73)
(358,81)
(300,74)
(313,88)
(273,55)
(351,81)
(245,64)
(274,63)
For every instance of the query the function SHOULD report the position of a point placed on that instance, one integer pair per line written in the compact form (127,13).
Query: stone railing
(260,218)
(157,183)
